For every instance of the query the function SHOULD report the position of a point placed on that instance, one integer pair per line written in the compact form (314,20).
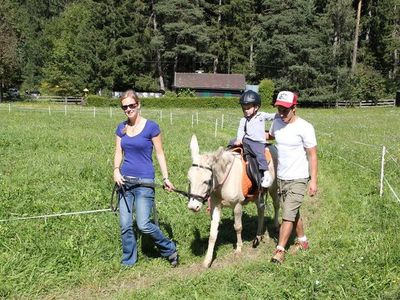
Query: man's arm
(313,161)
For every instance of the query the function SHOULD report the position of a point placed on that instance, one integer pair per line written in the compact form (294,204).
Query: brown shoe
(279,256)
(300,246)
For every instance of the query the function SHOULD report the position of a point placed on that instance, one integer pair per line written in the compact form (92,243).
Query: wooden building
(211,84)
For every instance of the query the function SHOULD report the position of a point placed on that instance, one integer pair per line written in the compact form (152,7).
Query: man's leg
(284,233)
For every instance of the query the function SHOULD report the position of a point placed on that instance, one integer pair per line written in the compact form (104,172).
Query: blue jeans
(258,150)
(141,199)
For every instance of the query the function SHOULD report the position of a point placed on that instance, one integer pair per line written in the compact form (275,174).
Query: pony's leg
(260,213)
(215,218)
(275,200)
(238,226)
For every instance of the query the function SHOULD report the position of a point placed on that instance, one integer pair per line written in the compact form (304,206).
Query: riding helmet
(250,97)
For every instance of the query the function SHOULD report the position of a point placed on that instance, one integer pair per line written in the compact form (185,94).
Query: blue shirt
(138,150)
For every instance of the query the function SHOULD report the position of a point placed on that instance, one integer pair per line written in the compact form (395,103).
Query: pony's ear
(194,147)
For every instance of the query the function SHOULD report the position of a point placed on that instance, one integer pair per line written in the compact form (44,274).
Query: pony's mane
(218,160)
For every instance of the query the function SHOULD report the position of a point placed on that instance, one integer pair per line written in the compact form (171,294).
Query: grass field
(56,160)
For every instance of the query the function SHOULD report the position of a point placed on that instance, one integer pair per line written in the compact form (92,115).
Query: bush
(266,90)
(186,93)
(365,84)
(190,102)
(169,102)
(146,83)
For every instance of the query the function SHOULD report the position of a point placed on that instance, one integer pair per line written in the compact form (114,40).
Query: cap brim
(284,104)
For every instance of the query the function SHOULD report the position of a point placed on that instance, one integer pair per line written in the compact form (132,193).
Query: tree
(339,16)
(382,37)
(8,51)
(69,66)
(234,31)
(364,84)
(99,45)
(356,34)
(266,90)
(183,34)
(156,43)
(286,56)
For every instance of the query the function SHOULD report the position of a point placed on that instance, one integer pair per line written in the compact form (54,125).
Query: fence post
(382,170)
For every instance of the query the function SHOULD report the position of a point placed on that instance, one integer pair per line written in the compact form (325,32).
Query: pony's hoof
(238,252)
(256,241)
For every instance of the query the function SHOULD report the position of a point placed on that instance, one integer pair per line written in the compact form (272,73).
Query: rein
(120,190)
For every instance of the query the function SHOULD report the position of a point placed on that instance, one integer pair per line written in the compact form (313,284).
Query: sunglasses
(131,106)
(284,111)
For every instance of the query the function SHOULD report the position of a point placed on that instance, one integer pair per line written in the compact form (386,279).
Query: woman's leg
(129,246)
(144,199)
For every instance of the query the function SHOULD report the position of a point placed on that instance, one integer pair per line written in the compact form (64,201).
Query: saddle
(251,180)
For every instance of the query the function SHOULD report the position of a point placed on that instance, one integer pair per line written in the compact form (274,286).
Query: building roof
(210,81)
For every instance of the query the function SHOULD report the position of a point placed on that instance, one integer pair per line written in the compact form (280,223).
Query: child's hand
(237,143)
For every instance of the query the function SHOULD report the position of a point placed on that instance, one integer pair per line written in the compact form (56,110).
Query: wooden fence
(62,99)
(365,103)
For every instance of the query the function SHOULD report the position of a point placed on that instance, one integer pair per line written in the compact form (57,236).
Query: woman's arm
(162,161)
(117,161)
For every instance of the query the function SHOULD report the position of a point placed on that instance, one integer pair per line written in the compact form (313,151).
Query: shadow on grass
(227,234)
(146,243)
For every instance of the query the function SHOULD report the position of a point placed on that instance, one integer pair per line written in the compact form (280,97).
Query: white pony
(217,177)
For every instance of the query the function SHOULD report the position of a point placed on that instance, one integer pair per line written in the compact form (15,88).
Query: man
(297,169)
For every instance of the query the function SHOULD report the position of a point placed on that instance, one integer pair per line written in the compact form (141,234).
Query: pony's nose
(194,205)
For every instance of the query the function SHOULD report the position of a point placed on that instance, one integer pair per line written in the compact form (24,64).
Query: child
(251,132)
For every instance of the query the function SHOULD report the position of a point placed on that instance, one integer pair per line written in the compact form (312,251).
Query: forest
(324,49)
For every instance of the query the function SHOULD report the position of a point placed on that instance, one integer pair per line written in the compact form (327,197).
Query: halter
(204,198)
(210,182)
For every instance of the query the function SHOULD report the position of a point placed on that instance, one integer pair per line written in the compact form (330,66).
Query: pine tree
(183,36)
(294,50)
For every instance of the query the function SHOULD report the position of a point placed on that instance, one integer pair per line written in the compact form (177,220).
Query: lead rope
(120,190)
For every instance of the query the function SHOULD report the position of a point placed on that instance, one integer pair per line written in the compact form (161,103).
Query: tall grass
(51,163)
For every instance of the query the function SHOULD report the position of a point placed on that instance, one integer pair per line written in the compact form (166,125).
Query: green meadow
(57,160)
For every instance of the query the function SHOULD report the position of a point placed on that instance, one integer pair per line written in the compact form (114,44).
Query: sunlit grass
(62,162)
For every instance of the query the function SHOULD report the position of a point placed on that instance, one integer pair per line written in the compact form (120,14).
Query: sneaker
(279,256)
(267,180)
(174,259)
(300,246)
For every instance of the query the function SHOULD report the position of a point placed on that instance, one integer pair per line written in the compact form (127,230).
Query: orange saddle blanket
(250,192)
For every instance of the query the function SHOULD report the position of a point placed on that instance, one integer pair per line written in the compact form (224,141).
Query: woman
(135,139)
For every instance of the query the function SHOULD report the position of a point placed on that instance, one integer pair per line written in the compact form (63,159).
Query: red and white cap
(286,99)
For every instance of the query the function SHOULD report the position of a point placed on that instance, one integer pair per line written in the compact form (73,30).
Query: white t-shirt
(291,141)
(254,128)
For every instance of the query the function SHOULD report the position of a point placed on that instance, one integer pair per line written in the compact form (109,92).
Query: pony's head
(200,177)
